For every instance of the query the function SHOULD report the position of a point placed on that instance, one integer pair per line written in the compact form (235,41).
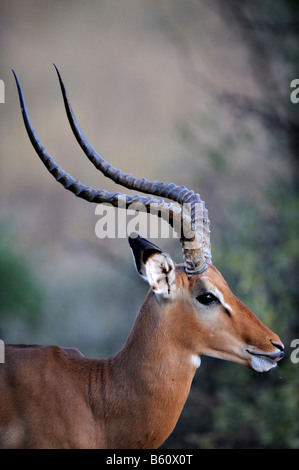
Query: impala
(53,397)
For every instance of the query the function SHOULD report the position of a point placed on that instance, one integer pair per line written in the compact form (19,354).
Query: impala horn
(189,218)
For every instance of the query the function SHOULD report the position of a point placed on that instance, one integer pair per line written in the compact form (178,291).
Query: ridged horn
(189,218)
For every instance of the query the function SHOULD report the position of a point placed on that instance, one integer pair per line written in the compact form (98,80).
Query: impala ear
(156,267)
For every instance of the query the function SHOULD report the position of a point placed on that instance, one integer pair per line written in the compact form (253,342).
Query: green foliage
(259,412)
(20,293)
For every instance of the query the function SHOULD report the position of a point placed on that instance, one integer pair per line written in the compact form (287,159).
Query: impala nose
(276,356)
(277,345)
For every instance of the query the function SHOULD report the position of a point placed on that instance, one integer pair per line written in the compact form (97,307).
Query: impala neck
(151,378)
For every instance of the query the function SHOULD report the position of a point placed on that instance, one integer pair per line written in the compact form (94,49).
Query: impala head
(205,315)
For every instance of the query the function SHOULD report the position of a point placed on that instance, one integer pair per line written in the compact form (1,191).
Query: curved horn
(194,239)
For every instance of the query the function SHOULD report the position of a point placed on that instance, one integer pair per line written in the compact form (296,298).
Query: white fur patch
(220,297)
(195,360)
(217,293)
(262,363)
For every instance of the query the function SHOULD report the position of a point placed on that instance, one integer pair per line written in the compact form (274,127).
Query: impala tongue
(278,358)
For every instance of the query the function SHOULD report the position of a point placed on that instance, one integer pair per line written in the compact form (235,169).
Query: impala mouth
(261,362)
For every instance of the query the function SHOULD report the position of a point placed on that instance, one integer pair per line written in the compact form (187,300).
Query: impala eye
(207,298)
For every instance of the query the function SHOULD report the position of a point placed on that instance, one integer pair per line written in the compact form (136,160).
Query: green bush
(20,292)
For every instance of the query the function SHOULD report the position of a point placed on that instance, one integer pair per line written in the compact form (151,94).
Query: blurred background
(195,93)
